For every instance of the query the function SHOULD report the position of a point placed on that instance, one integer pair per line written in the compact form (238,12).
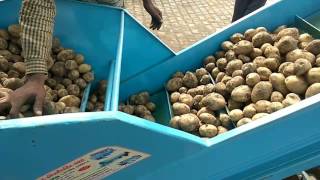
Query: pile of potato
(139,105)
(67,74)
(255,74)
(97,98)
(195,104)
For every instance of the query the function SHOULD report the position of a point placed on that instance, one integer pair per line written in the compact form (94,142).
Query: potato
(225,120)
(233,66)
(14,48)
(206,79)
(73,90)
(234,82)
(243,47)
(296,84)
(302,45)
(215,72)
(305,37)
(298,53)
(220,76)
(129,109)
(227,45)
(261,38)
(235,38)
(236,115)
(13,83)
(3,44)
(248,35)
(174,84)
(70,101)
(302,66)
(58,69)
(209,88)
(81,83)
(196,100)
(66,82)
(204,110)
(188,122)
(4,64)
(248,68)
(221,88)
(293,32)
(180,108)
(314,47)
(225,79)
(220,54)
(222,129)
(210,67)
(183,90)
(265,46)
(259,61)
(241,93)
(208,130)
(201,72)
(190,80)
(142,98)
(313,76)
(255,53)
(279,29)
(243,121)
(193,92)
(194,111)
(208,118)
(272,63)
(141,111)
(234,104)
(264,73)
(200,90)
(291,99)
(317,62)
(252,79)
(230,55)
(262,106)
(278,83)
(261,29)
(4,34)
(261,91)
(313,90)
(275,106)
(287,69)
(244,58)
(271,51)
(174,122)
(276,96)
(13,74)
(178,75)
(213,101)
(249,111)
(67,54)
(286,44)
(149,117)
(209,59)
(62,93)
(237,73)
(60,106)
(259,115)
(71,65)
(14,30)
(186,99)
(222,64)
(73,74)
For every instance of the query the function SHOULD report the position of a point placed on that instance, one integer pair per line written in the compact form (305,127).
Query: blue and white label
(97,164)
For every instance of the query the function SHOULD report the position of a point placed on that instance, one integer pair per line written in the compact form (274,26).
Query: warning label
(97,164)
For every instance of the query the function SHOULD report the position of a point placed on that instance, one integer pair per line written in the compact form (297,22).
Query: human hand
(155,13)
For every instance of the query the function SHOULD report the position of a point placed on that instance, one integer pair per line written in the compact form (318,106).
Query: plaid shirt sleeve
(37,22)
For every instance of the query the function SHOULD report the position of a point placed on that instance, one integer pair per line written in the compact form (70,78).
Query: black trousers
(244,7)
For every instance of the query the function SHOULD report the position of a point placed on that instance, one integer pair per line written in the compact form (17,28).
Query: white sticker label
(97,164)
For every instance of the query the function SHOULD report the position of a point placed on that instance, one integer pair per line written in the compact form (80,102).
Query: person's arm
(155,14)
(36,21)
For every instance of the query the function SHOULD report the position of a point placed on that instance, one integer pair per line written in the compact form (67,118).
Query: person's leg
(239,9)
(37,22)
(254,5)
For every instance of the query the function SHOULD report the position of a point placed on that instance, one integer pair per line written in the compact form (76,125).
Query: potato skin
(236,115)
(188,122)
(259,115)
(249,111)
(262,106)
(261,38)
(287,44)
(243,121)
(261,91)
(208,118)
(292,56)
(313,75)
(248,68)
(213,101)
(291,99)
(190,80)
(313,90)
(180,108)
(293,32)
(208,130)
(314,47)
(174,84)
(234,82)
(278,82)
(276,96)
(302,66)
(264,73)
(252,79)
(233,66)
(243,47)
(241,93)
(293,81)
